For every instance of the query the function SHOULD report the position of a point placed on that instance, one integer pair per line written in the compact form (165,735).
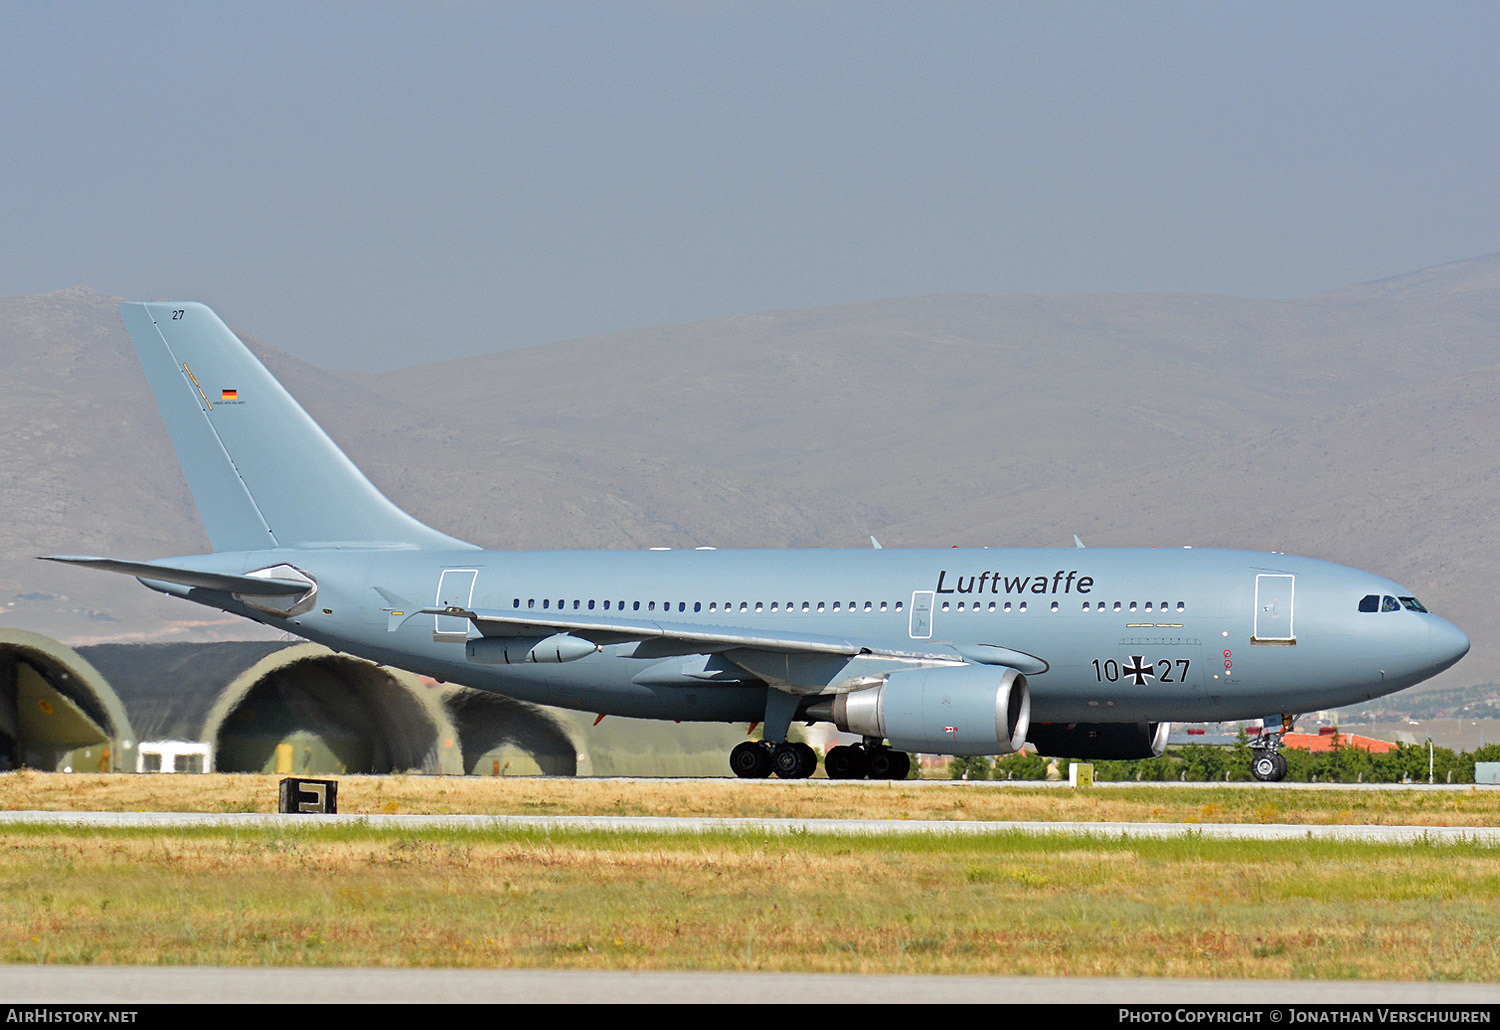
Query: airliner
(1082,652)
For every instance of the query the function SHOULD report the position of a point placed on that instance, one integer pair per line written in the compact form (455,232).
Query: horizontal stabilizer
(230,584)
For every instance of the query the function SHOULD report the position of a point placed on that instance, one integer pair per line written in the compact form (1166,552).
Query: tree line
(1408,763)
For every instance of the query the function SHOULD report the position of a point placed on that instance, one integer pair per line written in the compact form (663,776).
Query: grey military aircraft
(1084,652)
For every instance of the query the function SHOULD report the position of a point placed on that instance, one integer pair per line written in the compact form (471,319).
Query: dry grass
(981,801)
(1000,904)
(1008,904)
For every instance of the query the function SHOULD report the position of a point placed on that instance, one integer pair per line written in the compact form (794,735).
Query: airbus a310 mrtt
(1084,652)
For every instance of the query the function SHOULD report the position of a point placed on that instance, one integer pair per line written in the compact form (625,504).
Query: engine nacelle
(954,710)
(1121,740)
(559,647)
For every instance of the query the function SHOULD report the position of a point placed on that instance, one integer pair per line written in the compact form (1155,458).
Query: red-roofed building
(1329,739)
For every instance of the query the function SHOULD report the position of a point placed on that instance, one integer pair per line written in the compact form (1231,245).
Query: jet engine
(1121,740)
(954,710)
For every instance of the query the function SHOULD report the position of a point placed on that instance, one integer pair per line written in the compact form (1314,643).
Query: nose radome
(1446,643)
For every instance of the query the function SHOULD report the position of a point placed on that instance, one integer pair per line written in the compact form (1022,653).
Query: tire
(787,761)
(1268,768)
(750,760)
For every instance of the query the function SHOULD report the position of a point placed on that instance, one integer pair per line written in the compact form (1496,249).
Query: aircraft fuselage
(1121,635)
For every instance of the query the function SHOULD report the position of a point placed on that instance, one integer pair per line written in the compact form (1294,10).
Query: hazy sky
(382,184)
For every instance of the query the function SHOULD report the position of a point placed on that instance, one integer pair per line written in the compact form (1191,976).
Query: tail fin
(262,472)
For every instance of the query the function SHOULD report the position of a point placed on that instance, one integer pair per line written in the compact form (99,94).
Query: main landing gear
(858,761)
(793,760)
(757,759)
(1266,761)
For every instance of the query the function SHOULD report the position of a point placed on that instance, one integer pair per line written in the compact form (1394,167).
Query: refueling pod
(559,647)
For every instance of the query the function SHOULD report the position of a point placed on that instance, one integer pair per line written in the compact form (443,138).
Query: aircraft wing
(261,586)
(603,629)
(664,637)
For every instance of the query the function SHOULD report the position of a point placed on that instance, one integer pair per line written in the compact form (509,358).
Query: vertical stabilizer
(262,472)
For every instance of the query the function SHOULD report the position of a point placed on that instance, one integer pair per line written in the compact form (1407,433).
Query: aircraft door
(455,587)
(921,615)
(1273,609)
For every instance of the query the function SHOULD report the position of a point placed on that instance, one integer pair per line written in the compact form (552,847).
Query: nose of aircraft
(1446,644)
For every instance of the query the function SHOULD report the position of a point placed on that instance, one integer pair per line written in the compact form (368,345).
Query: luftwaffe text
(1063,581)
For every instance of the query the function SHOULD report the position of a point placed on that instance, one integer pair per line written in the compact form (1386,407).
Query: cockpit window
(1389,604)
(1369,603)
(1412,604)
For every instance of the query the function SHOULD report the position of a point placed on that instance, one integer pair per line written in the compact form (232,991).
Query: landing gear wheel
(751,760)
(886,764)
(846,762)
(1268,768)
(793,760)
(809,760)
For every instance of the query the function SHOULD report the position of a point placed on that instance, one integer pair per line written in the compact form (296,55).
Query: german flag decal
(229,395)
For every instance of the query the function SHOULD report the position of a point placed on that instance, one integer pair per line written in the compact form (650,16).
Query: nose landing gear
(1266,762)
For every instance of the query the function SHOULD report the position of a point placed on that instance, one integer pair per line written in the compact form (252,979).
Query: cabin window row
(711,606)
(714,607)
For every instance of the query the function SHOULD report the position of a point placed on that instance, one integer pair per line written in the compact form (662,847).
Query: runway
(1486,835)
(124,986)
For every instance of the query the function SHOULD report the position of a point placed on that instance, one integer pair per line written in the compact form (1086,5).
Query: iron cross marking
(1139,671)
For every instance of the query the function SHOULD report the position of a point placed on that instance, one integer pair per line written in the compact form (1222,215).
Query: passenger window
(1054,606)
(1369,603)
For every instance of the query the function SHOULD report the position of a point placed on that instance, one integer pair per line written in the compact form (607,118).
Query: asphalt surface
(106,985)
(854,827)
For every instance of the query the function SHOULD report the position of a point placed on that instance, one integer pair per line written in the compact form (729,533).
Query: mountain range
(1354,425)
